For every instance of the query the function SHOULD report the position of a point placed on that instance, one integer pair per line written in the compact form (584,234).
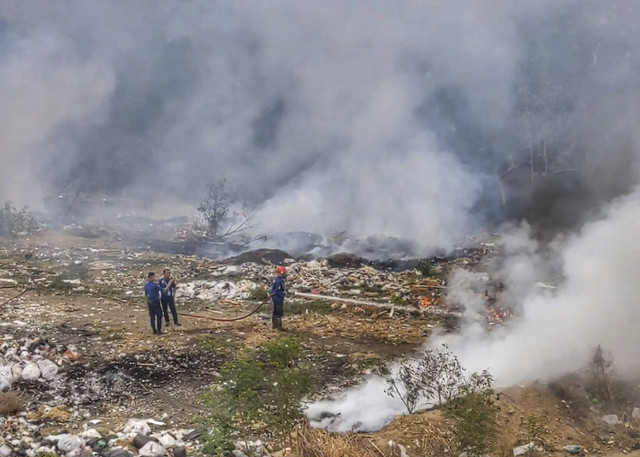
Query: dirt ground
(111,330)
(86,294)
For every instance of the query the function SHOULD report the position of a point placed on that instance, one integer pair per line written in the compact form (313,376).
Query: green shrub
(233,405)
(258,294)
(263,388)
(473,413)
(14,222)
(424,268)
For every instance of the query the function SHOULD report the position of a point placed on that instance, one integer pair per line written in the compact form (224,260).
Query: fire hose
(216,319)
(231,319)
(195,316)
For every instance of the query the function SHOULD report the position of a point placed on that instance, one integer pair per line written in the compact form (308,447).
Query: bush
(233,405)
(289,384)
(265,388)
(258,293)
(437,375)
(14,222)
(10,404)
(473,412)
(424,268)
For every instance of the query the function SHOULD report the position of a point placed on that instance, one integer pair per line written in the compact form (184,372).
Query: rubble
(572,449)
(611,419)
(28,360)
(152,449)
(19,433)
(524,449)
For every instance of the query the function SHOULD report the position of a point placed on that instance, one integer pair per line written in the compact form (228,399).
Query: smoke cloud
(408,119)
(555,331)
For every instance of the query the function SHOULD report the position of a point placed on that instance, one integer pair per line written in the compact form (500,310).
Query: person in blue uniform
(152,290)
(277,295)
(167,298)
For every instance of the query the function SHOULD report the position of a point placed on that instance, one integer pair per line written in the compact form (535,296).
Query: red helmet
(281,271)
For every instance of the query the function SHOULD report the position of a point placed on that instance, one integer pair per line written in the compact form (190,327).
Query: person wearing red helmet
(277,295)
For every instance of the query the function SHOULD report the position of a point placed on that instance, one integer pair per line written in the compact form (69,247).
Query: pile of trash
(21,437)
(30,360)
(363,283)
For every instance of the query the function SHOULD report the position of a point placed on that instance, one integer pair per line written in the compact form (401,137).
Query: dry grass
(55,414)
(320,443)
(10,404)
(421,435)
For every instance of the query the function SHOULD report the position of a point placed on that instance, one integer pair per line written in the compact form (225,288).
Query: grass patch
(258,294)
(70,273)
(301,307)
(218,343)
(369,363)
(58,284)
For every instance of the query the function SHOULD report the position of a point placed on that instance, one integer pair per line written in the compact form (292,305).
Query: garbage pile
(318,277)
(21,437)
(138,437)
(30,360)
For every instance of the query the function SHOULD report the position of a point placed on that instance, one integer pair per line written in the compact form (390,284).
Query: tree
(601,371)
(14,222)
(215,206)
(217,211)
(437,375)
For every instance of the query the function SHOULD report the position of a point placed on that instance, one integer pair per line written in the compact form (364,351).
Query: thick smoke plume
(412,119)
(555,331)
(409,119)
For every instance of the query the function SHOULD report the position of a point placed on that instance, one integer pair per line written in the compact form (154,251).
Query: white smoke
(42,88)
(556,331)
(596,304)
(366,117)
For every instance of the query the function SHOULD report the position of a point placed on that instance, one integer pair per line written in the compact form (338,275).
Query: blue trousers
(155,315)
(168,303)
(278,307)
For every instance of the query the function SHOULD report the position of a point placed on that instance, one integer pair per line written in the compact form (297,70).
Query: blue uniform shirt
(152,291)
(170,291)
(277,289)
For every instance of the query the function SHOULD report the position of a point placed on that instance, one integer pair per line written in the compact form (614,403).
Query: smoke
(407,119)
(43,88)
(557,331)
(554,332)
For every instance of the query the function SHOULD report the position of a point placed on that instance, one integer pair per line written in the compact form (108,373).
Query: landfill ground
(78,302)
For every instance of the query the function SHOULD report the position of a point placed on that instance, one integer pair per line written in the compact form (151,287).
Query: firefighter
(152,290)
(167,299)
(277,295)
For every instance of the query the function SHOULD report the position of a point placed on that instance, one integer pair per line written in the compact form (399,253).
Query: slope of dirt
(428,433)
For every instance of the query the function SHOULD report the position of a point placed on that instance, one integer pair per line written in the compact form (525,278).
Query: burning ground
(79,359)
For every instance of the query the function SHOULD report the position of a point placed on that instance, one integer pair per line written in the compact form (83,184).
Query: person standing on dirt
(277,295)
(152,290)
(167,299)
